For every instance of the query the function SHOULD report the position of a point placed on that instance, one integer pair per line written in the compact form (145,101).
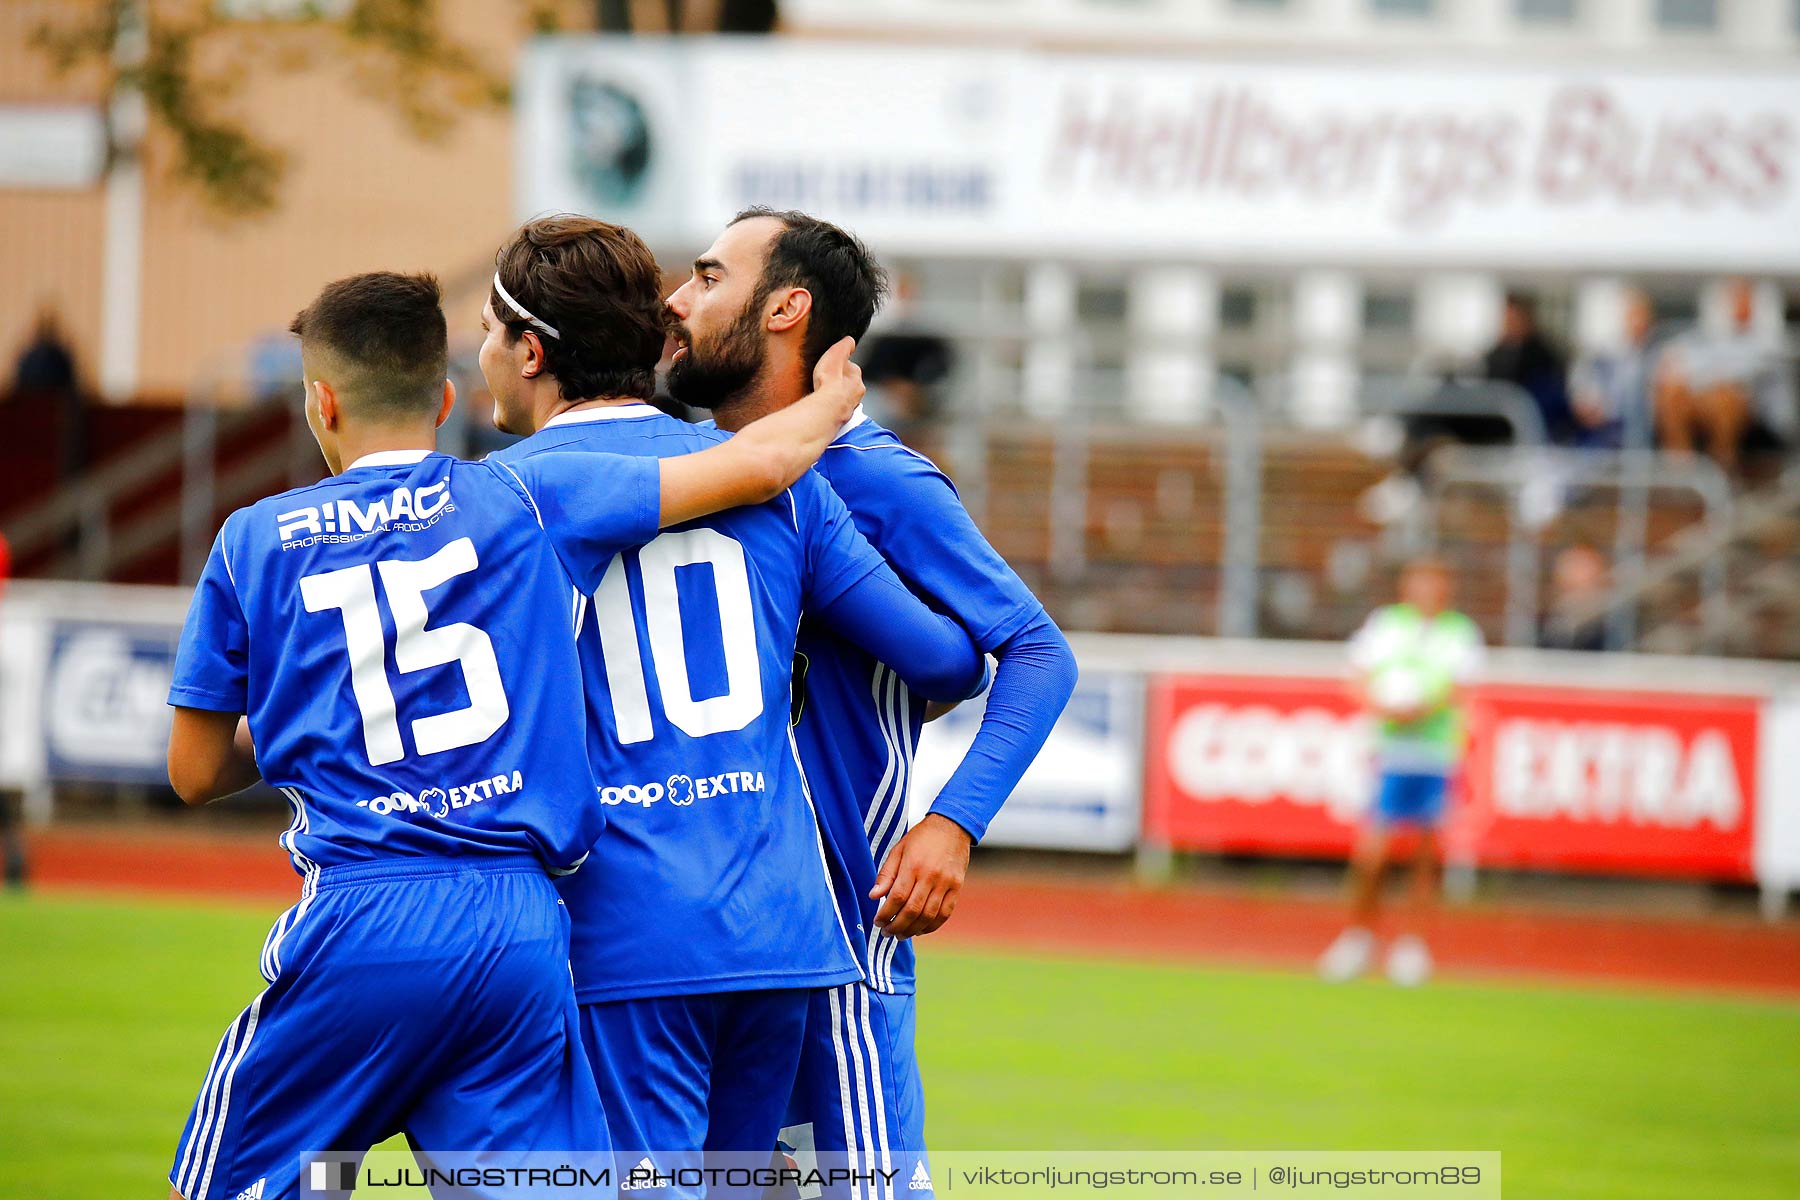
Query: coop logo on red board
(1614,773)
(1258,765)
(1557,778)
(1251,754)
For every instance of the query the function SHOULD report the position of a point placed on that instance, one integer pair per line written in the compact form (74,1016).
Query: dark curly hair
(599,287)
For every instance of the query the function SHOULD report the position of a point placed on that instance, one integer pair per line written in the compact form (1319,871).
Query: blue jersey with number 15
(401,637)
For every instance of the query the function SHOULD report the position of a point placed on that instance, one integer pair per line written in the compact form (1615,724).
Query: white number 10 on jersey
(742,702)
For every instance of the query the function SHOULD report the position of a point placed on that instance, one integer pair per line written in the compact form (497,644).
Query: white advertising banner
(84,684)
(1778,830)
(672,138)
(1030,153)
(1083,790)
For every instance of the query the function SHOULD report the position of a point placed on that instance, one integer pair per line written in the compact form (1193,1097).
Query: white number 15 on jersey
(351,592)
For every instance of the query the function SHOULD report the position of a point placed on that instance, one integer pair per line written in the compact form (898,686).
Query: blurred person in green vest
(1409,665)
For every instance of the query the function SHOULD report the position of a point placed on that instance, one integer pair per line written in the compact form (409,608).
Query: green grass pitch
(109,1011)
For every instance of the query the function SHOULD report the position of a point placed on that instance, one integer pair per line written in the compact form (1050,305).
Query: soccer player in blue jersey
(760,306)
(401,639)
(706,913)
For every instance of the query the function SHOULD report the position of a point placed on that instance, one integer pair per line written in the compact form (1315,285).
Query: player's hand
(769,453)
(838,379)
(922,877)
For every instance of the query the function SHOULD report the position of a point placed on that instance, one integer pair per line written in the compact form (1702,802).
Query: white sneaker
(1348,956)
(1408,961)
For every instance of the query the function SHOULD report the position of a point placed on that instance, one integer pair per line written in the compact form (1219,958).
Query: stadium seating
(1135,546)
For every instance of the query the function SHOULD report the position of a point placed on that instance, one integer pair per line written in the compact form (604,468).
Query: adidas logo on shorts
(921,1179)
(642,1176)
(253,1192)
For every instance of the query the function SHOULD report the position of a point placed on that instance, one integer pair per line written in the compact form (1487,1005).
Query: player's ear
(327,402)
(533,366)
(448,404)
(790,310)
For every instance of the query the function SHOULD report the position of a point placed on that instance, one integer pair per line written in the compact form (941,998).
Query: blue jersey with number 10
(401,637)
(711,876)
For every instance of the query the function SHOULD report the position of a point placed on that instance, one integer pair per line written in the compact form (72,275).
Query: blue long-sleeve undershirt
(1032,684)
(930,652)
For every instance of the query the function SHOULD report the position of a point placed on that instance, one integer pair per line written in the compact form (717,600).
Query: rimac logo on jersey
(436,802)
(683,790)
(407,509)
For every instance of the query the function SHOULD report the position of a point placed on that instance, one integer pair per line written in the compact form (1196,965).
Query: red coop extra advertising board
(1257,765)
(1644,783)
(1632,782)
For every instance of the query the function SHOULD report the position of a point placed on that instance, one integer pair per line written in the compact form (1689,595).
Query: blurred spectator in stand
(46,367)
(1527,359)
(1409,665)
(45,375)
(904,364)
(1610,391)
(1579,580)
(1724,387)
(1523,357)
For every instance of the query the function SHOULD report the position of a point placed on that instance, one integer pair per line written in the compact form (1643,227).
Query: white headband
(522,310)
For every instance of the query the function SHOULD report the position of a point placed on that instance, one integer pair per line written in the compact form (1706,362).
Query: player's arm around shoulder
(768,455)
(593,505)
(910,510)
(855,593)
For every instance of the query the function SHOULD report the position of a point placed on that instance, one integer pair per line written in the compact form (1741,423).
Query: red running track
(1045,914)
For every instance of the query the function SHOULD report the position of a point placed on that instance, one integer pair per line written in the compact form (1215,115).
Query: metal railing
(1701,550)
(1236,430)
(85,511)
(1240,557)
(1240,414)
(1407,396)
(1557,468)
(105,542)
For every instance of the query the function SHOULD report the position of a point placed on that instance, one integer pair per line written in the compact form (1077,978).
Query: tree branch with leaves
(189,61)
